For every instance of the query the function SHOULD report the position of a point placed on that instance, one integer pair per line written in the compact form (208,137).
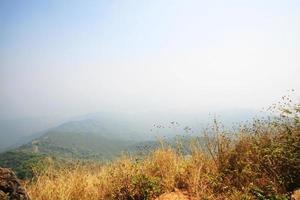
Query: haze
(62,58)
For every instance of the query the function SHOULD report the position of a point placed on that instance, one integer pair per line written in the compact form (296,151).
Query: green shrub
(145,187)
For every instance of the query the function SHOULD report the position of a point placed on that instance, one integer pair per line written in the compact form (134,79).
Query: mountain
(15,132)
(114,125)
(85,139)
(76,145)
(101,136)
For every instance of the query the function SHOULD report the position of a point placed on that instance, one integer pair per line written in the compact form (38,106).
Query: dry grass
(261,162)
(127,178)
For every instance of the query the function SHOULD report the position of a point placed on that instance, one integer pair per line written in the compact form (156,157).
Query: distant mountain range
(111,126)
(99,136)
(15,132)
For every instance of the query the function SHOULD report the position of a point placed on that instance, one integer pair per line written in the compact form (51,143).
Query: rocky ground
(10,187)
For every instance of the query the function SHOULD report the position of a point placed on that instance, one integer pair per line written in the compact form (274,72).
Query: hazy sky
(73,57)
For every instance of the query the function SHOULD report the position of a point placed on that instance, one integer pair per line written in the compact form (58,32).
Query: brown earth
(176,195)
(296,195)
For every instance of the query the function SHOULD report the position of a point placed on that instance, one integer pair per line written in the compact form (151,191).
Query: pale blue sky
(73,57)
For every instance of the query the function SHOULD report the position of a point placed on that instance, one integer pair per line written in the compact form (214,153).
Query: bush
(266,154)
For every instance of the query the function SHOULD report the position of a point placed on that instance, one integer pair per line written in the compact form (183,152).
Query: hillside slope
(77,145)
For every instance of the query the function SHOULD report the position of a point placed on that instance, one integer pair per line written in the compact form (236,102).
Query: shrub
(266,154)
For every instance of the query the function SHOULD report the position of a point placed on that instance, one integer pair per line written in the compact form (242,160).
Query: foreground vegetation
(21,162)
(260,160)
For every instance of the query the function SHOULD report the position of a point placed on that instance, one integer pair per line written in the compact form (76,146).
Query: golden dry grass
(163,171)
(127,178)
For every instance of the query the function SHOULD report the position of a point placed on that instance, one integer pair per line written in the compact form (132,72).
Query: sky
(69,58)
